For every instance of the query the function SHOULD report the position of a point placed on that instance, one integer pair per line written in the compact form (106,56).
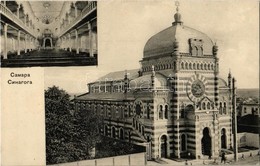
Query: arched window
(203,106)
(133,122)
(225,108)
(201,66)
(140,128)
(208,66)
(186,65)
(148,112)
(193,50)
(166,112)
(129,111)
(182,65)
(212,68)
(198,66)
(194,66)
(136,125)
(121,133)
(183,142)
(208,106)
(220,108)
(174,65)
(212,105)
(205,66)
(143,130)
(113,132)
(190,66)
(161,112)
(138,109)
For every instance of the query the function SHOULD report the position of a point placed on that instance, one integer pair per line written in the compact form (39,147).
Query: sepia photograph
(48,33)
(165,82)
(177,84)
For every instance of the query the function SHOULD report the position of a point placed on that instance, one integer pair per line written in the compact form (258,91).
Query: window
(203,106)
(208,106)
(113,132)
(148,112)
(161,112)
(225,108)
(138,109)
(220,108)
(166,112)
(129,111)
(194,66)
(121,134)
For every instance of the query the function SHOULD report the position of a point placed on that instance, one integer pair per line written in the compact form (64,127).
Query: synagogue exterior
(176,104)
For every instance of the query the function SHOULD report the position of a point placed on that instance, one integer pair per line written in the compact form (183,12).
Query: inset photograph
(48,33)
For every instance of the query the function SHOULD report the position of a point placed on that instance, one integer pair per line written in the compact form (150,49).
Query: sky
(124,26)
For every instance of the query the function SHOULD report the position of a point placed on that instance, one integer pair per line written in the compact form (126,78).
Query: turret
(126,82)
(152,77)
(229,79)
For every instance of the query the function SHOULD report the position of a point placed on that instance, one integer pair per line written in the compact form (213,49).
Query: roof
(145,81)
(162,42)
(119,75)
(222,83)
(106,96)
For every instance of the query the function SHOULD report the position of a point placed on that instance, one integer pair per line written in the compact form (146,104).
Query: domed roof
(222,83)
(163,42)
(144,82)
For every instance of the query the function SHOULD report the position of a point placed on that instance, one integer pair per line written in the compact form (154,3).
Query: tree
(68,137)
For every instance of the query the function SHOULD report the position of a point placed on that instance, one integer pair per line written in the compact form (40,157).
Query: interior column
(18,38)
(77,41)
(25,41)
(5,40)
(90,39)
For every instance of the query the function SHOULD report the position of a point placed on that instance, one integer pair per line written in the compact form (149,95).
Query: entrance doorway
(47,43)
(223,139)
(163,146)
(206,142)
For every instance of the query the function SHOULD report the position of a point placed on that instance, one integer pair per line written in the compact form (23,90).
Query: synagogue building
(176,104)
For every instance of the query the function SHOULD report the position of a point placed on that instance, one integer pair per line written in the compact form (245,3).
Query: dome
(164,42)
(222,83)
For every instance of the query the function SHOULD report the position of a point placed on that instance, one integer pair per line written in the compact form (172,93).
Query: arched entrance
(47,43)
(163,146)
(183,143)
(206,142)
(223,139)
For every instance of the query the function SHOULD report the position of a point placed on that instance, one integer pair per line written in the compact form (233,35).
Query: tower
(196,109)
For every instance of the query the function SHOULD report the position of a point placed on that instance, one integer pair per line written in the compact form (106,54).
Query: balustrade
(88,9)
(5,11)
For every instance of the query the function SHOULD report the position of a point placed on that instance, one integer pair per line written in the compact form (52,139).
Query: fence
(136,159)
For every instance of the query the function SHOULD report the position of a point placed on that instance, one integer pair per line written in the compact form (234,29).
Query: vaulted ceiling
(47,11)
